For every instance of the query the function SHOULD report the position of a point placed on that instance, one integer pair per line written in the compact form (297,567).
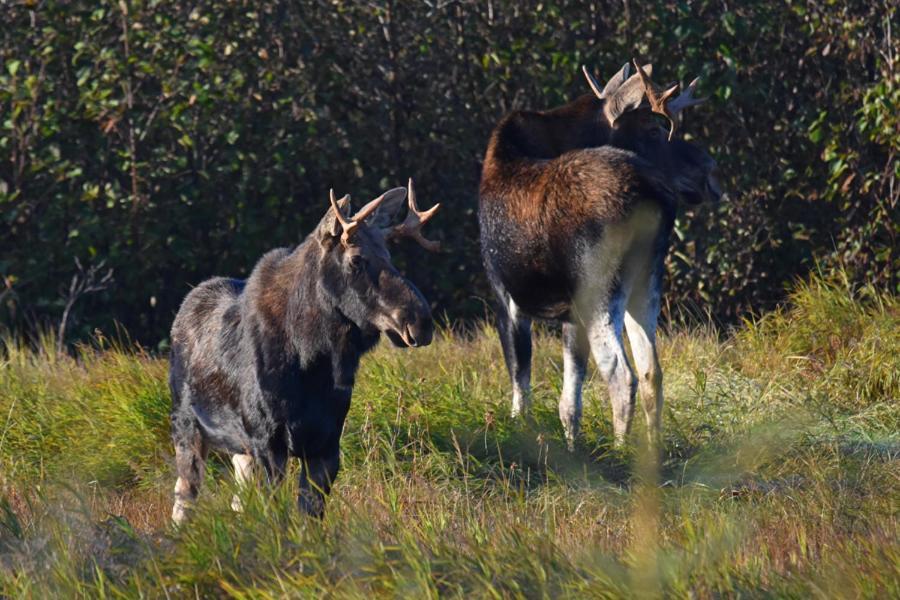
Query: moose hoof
(179,512)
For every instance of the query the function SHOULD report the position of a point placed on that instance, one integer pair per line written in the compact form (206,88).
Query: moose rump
(580,234)
(583,243)
(531,232)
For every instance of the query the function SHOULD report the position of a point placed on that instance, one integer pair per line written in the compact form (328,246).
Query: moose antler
(349,227)
(412,224)
(595,85)
(661,101)
(658,97)
(686,98)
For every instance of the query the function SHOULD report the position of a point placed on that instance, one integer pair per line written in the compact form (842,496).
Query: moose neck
(292,323)
(314,325)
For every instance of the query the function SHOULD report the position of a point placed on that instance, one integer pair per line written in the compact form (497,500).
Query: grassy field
(779,476)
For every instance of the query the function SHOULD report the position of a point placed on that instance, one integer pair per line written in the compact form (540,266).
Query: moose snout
(415,325)
(421,331)
(405,316)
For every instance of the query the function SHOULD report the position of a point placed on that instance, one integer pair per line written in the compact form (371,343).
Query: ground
(779,474)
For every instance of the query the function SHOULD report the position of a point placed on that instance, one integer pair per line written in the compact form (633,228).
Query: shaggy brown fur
(576,207)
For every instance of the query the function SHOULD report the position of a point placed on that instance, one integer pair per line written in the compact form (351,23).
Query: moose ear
(387,210)
(617,80)
(329,226)
(626,97)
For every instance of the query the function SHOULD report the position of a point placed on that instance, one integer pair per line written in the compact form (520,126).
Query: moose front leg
(515,337)
(190,464)
(575,356)
(273,457)
(316,477)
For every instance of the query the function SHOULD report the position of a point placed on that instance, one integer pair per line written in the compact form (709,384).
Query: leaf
(845,187)
(815,135)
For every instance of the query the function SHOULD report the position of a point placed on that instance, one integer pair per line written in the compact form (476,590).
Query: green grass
(779,476)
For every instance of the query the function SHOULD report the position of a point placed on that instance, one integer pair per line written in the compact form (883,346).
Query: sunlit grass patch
(100,416)
(779,475)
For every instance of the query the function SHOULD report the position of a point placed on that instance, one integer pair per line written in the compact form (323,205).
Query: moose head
(358,276)
(632,104)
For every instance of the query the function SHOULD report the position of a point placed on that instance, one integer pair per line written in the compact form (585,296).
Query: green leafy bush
(181,140)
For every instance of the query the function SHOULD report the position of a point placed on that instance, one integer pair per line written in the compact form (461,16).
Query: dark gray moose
(264,368)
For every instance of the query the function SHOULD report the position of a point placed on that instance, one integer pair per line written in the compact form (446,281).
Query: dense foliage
(177,140)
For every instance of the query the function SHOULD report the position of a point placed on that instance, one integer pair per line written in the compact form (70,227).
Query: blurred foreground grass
(780,475)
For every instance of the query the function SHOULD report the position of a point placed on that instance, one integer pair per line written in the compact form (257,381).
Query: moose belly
(538,283)
(574,274)
(540,295)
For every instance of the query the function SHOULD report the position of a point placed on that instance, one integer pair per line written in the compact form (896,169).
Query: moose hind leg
(640,323)
(243,475)
(515,337)
(605,335)
(575,357)
(190,464)
(316,478)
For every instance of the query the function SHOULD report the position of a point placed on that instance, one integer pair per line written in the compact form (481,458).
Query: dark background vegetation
(172,140)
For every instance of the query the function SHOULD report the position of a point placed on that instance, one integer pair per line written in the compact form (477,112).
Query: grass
(779,475)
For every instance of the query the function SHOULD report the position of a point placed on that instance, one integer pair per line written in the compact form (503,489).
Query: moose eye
(357,262)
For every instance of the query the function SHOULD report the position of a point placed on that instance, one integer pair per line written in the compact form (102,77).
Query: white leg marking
(643,283)
(570,403)
(597,307)
(521,400)
(609,353)
(624,252)
(243,474)
(513,310)
(182,505)
(640,323)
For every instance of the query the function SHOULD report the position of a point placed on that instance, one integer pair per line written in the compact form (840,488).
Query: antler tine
(686,98)
(348,227)
(423,215)
(595,85)
(368,209)
(412,224)
(659,99)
